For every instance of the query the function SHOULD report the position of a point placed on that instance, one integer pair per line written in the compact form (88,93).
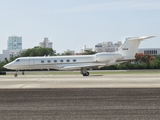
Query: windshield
(17,60)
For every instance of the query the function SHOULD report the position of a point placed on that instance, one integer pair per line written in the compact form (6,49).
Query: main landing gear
(22,72)
(84,72)
(16,74)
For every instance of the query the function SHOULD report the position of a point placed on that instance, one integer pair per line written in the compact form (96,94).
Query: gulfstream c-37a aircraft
(82,62)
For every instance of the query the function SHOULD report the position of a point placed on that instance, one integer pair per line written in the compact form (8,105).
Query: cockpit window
(17,60)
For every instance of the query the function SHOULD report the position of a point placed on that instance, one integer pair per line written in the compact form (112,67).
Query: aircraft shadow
(95,75)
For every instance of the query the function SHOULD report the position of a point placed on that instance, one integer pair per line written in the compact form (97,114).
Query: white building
(84,48)
(9,53)
(14,48)
(72,52)
(45,43)
(150,51)
(1,57)
(14,43)
(107,46)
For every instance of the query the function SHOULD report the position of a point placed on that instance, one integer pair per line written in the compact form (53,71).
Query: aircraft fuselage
(59,62)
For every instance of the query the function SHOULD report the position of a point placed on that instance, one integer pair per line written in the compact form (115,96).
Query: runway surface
(74,97)
(80,104)
(79,81)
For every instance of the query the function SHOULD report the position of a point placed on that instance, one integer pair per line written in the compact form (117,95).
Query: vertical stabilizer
(130,47)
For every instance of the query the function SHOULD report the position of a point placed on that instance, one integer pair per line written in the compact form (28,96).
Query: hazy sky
(70,24)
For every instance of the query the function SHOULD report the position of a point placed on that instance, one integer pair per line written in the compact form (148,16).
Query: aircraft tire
(86,74)
(22,72)
(15,75)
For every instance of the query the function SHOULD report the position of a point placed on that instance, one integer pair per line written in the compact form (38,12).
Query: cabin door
(31,63)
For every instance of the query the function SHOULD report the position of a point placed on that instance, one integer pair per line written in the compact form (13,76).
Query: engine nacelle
(101,57)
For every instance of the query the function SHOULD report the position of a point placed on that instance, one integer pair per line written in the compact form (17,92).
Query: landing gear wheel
(15,75)
(22,72)
(86,74)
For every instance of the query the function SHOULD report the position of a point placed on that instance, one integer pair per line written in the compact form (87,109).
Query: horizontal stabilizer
(139,38)
(130,46)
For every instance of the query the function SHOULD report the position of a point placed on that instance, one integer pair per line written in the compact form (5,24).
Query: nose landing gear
(22,72)
(16,74)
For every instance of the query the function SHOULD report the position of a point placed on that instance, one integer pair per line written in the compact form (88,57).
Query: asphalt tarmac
(79,81)
(80,104)
(74,97)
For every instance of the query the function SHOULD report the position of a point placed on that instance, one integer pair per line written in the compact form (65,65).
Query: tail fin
(130,47)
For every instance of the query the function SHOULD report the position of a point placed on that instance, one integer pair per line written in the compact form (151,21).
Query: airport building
(107,46)
(150,51)
(14,43)
(46,43)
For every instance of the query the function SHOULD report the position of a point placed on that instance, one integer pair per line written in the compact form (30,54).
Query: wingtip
(148,37)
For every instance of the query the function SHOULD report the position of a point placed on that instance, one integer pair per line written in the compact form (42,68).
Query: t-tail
(130,47)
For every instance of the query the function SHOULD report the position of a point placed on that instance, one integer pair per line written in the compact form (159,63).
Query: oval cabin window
(68,60)
(74,60)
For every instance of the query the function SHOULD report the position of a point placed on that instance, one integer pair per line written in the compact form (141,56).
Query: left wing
(82,65)
(89,65)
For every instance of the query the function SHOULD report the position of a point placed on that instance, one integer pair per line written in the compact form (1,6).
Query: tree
(38,51)
(6,60)
(89,52)
(1,65)
(66,53)
(155,64)
(145,59)
(138,57)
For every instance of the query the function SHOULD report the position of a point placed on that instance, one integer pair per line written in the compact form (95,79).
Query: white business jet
(79,62)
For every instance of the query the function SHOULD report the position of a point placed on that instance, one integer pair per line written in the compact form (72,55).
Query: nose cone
(7,66)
